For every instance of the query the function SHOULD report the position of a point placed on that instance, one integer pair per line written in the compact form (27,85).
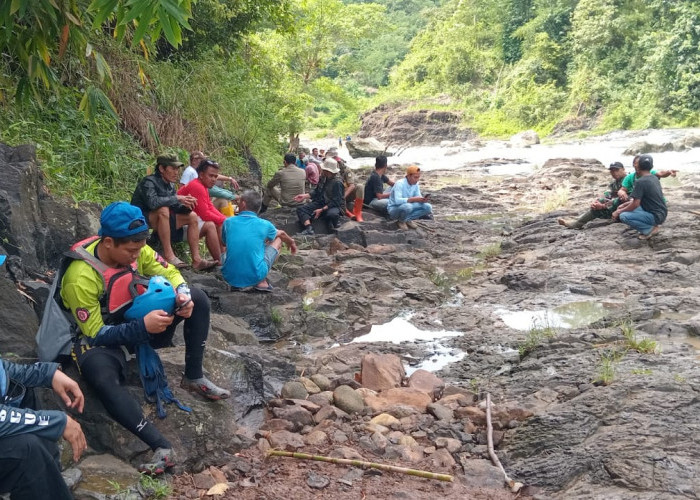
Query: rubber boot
(349,213)
(580,222)
(358,211)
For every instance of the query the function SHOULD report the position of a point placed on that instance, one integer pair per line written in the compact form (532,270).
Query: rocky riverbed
(557,325)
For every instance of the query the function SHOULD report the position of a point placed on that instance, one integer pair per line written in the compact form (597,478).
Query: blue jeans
(379,205)
(409,211)
(639,219)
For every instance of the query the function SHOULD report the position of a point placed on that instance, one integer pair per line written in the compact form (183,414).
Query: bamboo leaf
(103,69)
(141,28)
(142,10)
(14,6)
(103,9)
(167,28)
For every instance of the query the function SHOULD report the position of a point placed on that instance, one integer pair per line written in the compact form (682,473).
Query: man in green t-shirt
(629,180)
(603,207)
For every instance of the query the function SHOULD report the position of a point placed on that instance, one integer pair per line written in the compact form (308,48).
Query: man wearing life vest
(98,287)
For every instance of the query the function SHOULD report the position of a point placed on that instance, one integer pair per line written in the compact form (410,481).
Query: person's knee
(200,299)
(207,228)
(624,216)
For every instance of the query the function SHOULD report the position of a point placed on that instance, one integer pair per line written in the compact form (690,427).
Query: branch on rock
(514,485)
(362,464)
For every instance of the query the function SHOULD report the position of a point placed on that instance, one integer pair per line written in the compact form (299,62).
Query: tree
(38,36)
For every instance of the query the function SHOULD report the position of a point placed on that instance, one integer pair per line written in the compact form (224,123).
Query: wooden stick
(362,464)
(514,486)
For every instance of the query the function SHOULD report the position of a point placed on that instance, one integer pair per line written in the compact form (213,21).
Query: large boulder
(525,139)
(33,225)
(382,371)
(366,147)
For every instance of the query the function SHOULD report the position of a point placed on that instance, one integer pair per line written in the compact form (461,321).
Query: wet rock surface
(549,321)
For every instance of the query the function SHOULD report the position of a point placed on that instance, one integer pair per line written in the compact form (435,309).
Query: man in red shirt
(208,172)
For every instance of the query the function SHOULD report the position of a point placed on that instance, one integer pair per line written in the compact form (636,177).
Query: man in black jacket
(167,213)
(326,200)
(29,458)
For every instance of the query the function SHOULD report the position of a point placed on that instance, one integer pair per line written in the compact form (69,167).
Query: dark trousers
(30,469)
(103,369)
(305,212)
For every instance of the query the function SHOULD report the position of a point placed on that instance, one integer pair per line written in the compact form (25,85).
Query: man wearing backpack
(97,289)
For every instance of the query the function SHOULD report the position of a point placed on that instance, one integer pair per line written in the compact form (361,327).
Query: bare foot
(562,222)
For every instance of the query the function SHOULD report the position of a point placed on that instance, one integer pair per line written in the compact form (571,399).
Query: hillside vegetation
(101,86)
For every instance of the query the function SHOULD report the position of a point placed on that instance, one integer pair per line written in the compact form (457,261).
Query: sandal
(177,263)
(266,289)
(205,265)
(651,233)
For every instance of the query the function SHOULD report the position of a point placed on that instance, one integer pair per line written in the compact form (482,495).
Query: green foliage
(154,488)
(93,161)
(539,332)
(644,345)
(490,251)
(607,367)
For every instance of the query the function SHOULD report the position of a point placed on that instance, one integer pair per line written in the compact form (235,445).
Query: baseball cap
(169,160)
(413,169)
(121,219)
(615,165)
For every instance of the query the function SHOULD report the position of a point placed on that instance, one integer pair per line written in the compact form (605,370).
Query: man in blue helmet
(97,289)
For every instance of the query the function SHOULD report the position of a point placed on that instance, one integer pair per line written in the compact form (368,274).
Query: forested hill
(515,64)
(101,86)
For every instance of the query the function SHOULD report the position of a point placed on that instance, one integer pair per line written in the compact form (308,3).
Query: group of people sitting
(336,192)
(634,198)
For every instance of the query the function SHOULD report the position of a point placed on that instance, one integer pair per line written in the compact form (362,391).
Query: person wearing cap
(326,199)
(353,191)
(406,203)
(629,180)
(257,243)
(646,209)
(97,289)
(603,207)
(287,182)
(376,196)
(168,213)
(30,466)
(207,171)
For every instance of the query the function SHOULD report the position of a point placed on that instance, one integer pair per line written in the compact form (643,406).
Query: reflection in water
(571,315)
(400,330)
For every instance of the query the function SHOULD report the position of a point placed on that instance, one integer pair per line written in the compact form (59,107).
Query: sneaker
(162,459)
(411,224)
(308,231)
(204,387)
(402,225)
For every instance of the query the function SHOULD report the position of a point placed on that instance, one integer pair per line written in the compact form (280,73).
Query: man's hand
(597,205)
(292,247)
(234,183)
(302,197)
(616,214)
(188,200)
(157,321)
(68,390)
(73,433)
(184,305)
(622,194)
(317,213)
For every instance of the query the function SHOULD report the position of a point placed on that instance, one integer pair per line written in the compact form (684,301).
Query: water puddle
(684,342)
(571,315)
(400,329)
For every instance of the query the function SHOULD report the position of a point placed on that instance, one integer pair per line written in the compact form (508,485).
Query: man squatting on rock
(603,207)
(29,458)
(646,210)
(327,200)
(121,252)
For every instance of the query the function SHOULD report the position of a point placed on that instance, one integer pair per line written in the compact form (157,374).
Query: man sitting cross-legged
(167,213)
(253,244)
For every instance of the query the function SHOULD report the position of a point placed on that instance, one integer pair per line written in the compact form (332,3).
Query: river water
(605,148)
